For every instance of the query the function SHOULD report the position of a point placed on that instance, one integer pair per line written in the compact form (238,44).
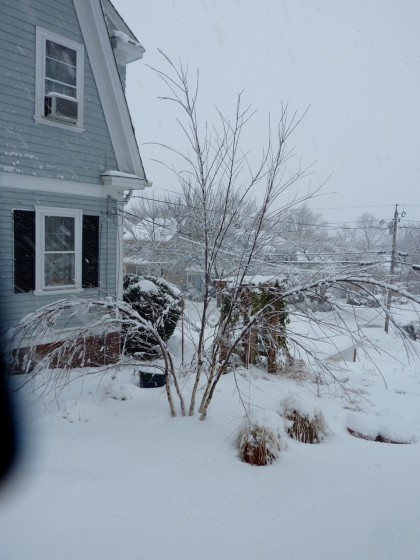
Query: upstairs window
(59,81)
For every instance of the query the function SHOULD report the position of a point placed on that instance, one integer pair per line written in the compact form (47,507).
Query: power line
(365,206)
(333,225)
(324,208)
(319,254)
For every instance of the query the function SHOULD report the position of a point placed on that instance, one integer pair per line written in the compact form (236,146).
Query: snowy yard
(108,474)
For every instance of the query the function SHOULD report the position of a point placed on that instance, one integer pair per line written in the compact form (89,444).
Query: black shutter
(24,250)
(90,252)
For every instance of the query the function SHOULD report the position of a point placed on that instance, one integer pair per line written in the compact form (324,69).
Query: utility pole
(392,229)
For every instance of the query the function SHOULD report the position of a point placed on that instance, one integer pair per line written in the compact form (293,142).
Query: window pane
(56,87)
(60,71)
(63,54)
(59,269)
(51,86)
(59,233)
(70,91)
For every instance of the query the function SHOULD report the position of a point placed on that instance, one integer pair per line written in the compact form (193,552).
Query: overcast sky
(356,63)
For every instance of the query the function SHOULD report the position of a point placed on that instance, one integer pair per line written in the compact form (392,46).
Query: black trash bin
(151,380)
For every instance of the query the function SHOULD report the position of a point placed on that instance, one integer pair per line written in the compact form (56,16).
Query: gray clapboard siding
(44,150)
(14,24)
(9,65)
(15,306)
(61,15)
(36,149)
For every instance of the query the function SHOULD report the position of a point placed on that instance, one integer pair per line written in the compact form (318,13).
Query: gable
(98,45)
(107,141)
(35,149)
(115,21)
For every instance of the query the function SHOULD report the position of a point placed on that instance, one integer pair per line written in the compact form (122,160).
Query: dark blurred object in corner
(8,431)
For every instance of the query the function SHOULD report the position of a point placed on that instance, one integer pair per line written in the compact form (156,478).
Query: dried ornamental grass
(304,422)
(304,430)
(261,438)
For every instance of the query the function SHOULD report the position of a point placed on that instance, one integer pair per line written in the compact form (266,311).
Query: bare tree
(217,183)
(306,230)
(148,218)
(151,240)
(409,241)
(186,210)
(370,235)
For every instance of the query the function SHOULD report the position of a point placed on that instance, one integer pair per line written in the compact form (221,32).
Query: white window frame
(40,213)
(42,35)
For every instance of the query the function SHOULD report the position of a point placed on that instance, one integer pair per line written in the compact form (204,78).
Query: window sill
(58,124)
(55,292)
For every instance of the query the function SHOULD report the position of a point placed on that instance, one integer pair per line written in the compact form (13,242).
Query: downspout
(127,197)
(120,275)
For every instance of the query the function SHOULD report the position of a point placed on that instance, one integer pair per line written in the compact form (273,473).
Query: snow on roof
(113,173)
(115,20)
(124,38)
(136,260)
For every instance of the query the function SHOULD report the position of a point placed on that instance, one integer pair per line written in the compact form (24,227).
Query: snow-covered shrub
(264,341)
(118,391)
(318,301)
(311,303)
(413,330)
(155,300)
(261,438)
(305,423)
(318,305)
(381,427)
(361,299)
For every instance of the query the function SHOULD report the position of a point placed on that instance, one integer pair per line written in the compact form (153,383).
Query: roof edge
(98,46)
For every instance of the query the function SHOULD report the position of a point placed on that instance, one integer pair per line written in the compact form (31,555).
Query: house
(170,258)
(68,153)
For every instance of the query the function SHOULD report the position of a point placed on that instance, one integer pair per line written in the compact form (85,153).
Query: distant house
(68,153)
(170,257)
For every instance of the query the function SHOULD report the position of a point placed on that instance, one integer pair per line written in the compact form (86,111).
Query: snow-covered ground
(108,474)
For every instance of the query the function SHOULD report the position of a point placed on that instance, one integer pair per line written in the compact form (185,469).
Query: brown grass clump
(304,430)
(304,421)
(258,445)
(261,437)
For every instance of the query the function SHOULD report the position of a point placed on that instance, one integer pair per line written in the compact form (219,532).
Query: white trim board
(112,13)
(102,60)
(45,184)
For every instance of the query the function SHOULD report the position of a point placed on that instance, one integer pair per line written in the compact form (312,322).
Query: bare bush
(109,316)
